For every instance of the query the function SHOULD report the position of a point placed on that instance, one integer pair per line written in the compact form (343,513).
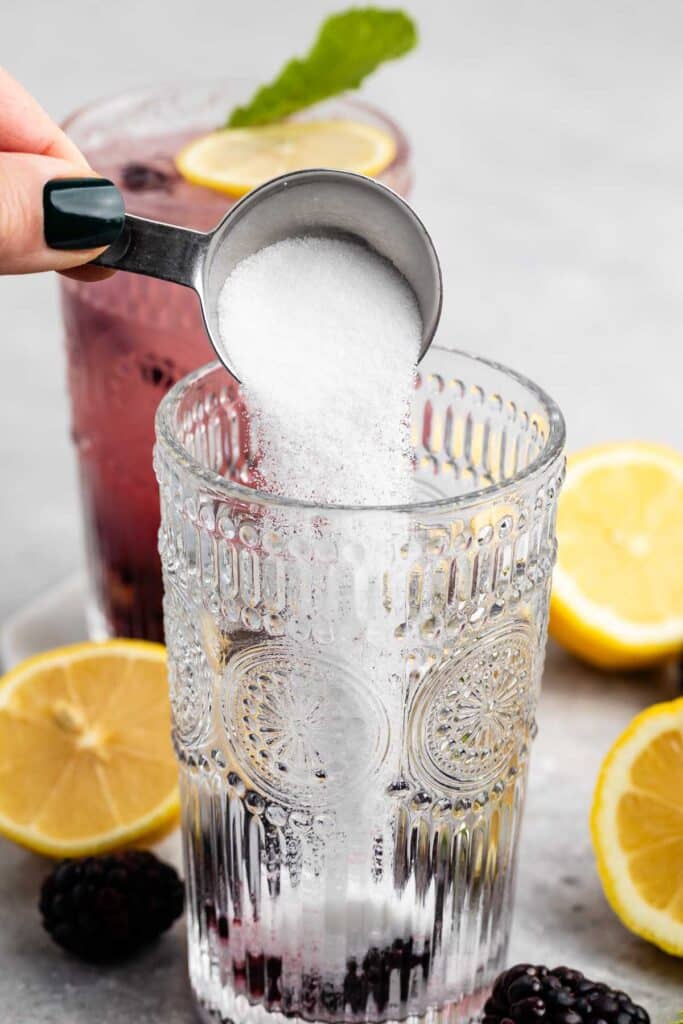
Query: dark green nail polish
(81,213)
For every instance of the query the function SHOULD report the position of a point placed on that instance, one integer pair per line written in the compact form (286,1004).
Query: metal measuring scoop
(314,202)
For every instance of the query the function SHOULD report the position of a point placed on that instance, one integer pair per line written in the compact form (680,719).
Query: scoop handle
(157,250)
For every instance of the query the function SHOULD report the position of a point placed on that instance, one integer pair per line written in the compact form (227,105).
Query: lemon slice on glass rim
(236,160)
(86,760)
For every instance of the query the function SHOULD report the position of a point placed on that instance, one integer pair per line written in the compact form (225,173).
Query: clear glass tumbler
(353,695)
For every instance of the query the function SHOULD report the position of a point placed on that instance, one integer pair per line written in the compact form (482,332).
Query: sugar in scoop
(324,335)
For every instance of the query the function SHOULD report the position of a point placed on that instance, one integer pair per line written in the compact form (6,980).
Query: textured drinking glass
(353,696)
(130,338)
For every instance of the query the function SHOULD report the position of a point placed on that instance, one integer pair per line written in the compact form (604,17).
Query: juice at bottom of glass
(386,902)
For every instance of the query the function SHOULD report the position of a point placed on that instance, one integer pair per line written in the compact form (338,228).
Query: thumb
(54,214)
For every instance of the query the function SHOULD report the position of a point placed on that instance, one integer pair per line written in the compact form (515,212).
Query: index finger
(26,128)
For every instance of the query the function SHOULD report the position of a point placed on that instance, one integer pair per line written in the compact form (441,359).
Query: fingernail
(81,213)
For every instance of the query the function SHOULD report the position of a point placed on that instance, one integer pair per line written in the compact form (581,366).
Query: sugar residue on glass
(324,335)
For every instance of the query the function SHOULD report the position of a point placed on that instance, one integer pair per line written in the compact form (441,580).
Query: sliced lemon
(235,160)
(637,826)
(86,761)
(617,597)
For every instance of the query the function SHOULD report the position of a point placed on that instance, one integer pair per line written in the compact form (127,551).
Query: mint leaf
(349,47)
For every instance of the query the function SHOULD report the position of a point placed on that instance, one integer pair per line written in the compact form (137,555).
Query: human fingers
(53,214)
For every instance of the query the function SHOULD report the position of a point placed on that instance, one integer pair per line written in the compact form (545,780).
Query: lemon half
(86,761)
(617,597)
(637,826)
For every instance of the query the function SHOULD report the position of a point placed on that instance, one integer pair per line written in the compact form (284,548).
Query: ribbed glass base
(242,1012)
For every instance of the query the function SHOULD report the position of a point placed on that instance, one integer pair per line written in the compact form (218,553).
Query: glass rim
(162,87)
(167,87)
(167,440)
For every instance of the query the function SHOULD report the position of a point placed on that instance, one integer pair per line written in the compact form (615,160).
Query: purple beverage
(130,338)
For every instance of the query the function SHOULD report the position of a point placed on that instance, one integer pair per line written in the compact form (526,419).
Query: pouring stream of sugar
(325,336)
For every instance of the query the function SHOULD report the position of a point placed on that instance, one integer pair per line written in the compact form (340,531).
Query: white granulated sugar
(324,335)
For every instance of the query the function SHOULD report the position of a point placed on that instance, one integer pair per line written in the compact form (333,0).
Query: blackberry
(137,177)
(559,995)
(160,373)
(103,908)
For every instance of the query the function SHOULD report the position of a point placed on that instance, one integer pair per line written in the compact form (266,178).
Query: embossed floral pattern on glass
(353,694)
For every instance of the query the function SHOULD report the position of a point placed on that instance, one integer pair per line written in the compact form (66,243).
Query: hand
(47,222)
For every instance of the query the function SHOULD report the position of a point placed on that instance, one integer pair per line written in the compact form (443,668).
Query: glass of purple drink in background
(130,338)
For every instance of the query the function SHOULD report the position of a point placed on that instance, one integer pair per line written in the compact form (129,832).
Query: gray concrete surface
(549,158)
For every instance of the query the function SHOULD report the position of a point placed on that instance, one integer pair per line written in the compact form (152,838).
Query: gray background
(548,142)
